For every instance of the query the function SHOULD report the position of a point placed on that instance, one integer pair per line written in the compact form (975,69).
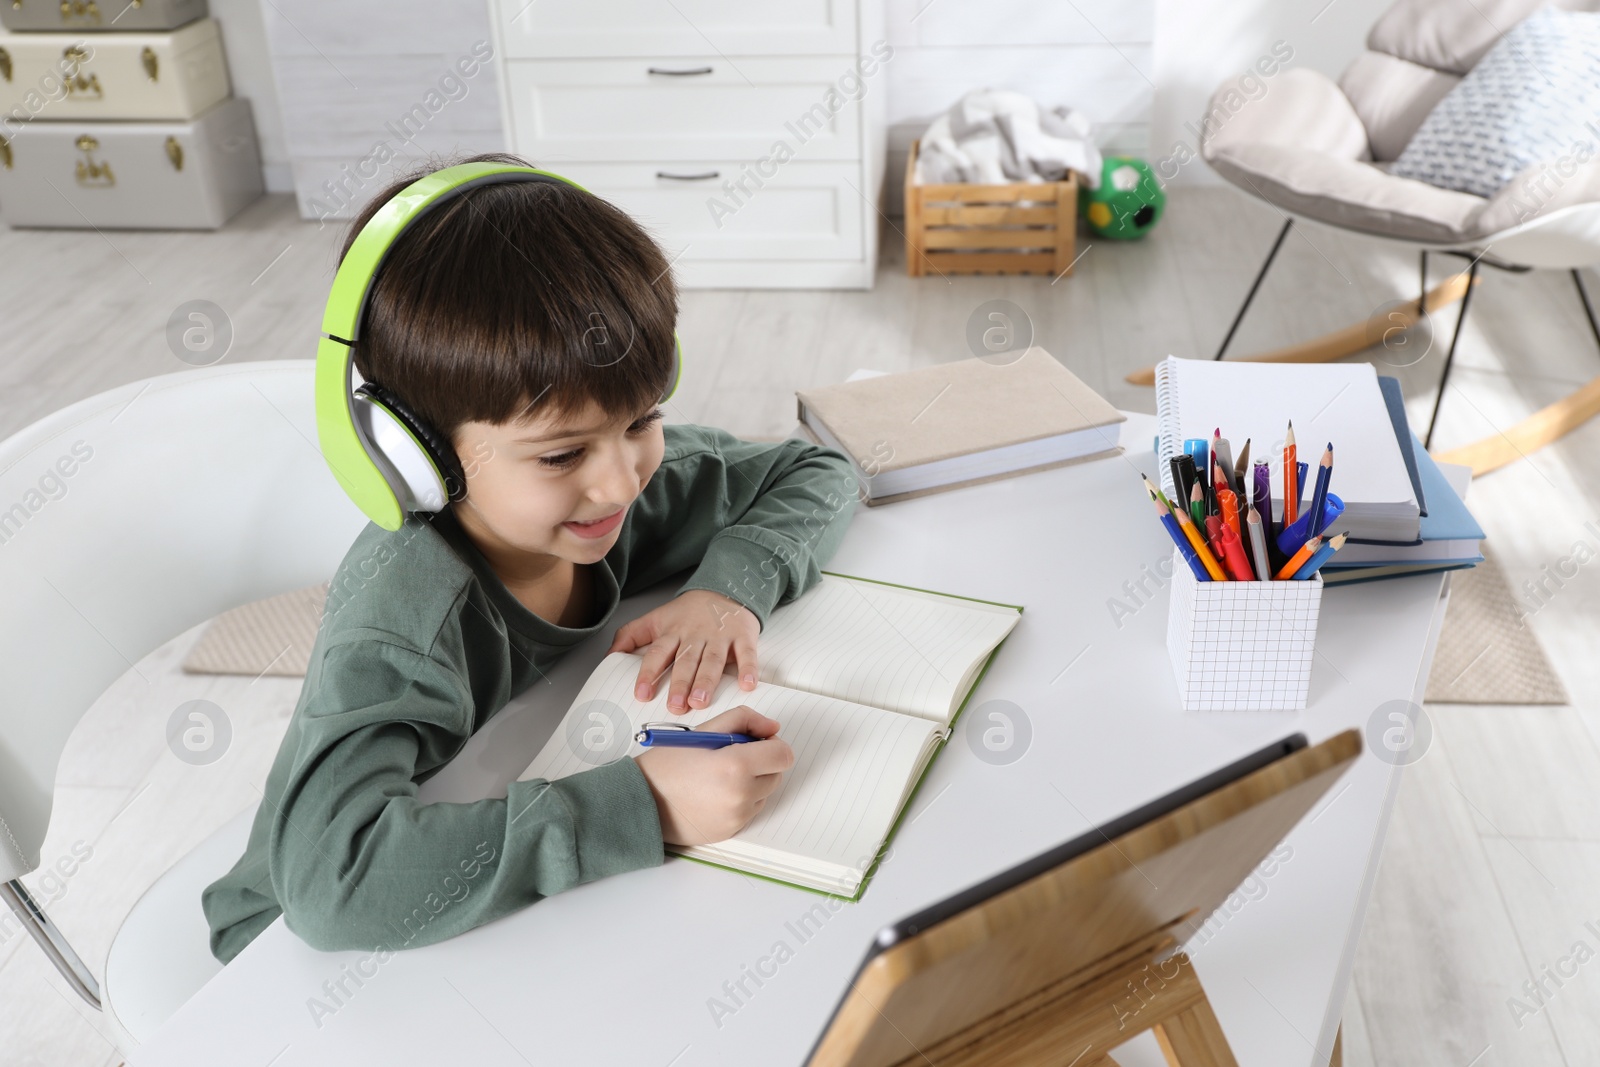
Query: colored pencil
(1319,495)
(1321,556)
(1298,560)
(1222,456)
(1213,568)
(1185,549)
(1258,545)
(1291,482)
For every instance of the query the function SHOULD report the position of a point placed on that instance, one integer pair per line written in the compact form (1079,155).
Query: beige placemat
(1486,654)
(271,636)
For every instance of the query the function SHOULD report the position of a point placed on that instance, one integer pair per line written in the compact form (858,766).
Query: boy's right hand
(705,795)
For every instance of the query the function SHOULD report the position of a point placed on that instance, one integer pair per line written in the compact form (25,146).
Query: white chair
(1315,148)
(126,519)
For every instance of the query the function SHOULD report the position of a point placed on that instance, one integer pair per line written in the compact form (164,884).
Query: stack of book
(957,424)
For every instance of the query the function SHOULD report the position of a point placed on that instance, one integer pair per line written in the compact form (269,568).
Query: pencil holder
(1242,646)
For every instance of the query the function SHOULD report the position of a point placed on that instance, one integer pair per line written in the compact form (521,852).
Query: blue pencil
(1176,533)
(1320,556)
(1184,548)
(1319,496)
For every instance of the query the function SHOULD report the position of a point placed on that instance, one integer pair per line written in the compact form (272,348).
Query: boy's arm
(756,520)
(358,862)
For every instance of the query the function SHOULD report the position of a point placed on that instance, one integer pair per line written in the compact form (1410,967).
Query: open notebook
(864,678)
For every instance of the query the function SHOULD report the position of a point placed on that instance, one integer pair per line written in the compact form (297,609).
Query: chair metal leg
(55,946)
(1588,308)
(1450,356)
(1252,294)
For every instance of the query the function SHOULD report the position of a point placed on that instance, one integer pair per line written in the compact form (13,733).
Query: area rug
(1487,654)
(271,636)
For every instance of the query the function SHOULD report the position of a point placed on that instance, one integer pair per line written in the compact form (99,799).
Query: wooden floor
(1492,868)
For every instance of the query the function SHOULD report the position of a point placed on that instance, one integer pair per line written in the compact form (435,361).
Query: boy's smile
(554,487)
(599,527)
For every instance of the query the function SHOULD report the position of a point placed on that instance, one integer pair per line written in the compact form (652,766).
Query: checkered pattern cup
(1242,646)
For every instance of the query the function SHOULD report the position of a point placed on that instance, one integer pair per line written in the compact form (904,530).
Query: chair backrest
(126,519)
(1417,52)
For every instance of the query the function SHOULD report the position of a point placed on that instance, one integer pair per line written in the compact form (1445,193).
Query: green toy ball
(1128,202)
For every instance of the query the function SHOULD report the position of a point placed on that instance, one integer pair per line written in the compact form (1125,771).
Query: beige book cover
(895,421)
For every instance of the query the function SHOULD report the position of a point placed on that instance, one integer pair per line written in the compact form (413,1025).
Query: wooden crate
(1017,228)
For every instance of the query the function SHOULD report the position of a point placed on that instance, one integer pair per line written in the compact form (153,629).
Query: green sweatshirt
(421,644)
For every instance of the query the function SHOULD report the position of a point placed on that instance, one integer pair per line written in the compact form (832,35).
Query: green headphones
(389,460)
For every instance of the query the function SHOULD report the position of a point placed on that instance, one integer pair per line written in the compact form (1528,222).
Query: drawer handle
(152,63)
(679,73)
(5,64)
(707,176)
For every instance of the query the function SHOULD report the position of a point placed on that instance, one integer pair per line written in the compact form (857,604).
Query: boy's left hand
(692,635)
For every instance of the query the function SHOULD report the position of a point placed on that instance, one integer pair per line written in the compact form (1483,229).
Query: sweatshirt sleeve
(756,520)
(357,862)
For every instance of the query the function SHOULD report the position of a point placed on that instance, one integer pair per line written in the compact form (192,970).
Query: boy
(531,324)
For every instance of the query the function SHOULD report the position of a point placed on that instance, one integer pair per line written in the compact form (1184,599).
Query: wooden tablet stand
(1064,967)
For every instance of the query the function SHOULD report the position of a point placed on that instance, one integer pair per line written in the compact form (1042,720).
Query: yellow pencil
(1213,568)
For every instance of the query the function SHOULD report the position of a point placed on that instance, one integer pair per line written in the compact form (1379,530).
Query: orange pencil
(1209,561)
(1298,560)
(1291,478)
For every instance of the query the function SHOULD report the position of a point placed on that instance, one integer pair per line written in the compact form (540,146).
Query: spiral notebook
(1337,402)
(865,680)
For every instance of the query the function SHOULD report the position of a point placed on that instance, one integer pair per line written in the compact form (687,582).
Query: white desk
(621,971)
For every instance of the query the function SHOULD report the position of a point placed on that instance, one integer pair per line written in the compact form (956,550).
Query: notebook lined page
(880,645)
(852,763)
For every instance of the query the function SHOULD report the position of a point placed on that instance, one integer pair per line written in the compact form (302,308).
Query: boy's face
(536,486)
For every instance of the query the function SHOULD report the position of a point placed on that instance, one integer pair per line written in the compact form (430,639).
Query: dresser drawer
(66,77)
(93,16)
(708,107)
(132,175)
(674,27)
(802,211)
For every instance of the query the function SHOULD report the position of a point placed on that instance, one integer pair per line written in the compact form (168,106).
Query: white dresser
(747,137)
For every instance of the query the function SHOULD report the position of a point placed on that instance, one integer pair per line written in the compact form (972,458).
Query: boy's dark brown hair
(514,299)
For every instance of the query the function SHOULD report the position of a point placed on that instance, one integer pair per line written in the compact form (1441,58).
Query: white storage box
(68,77)
(1242,646)
(95,16)
(146,175)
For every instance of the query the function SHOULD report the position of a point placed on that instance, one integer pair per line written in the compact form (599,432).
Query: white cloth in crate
(992,137)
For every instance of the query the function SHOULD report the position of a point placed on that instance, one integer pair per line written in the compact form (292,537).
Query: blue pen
(676,735)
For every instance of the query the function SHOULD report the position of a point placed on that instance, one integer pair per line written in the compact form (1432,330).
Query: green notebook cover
(866,879)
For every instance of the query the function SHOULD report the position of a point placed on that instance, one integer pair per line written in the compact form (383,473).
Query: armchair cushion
(1349,193)
(1450,35)
(1392,96)
(1526,101)
(1301,108)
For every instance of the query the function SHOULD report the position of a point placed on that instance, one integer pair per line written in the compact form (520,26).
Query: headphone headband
(382,454)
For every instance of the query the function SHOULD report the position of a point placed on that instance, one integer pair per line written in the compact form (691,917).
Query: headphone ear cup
(445,480)
(677,368)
